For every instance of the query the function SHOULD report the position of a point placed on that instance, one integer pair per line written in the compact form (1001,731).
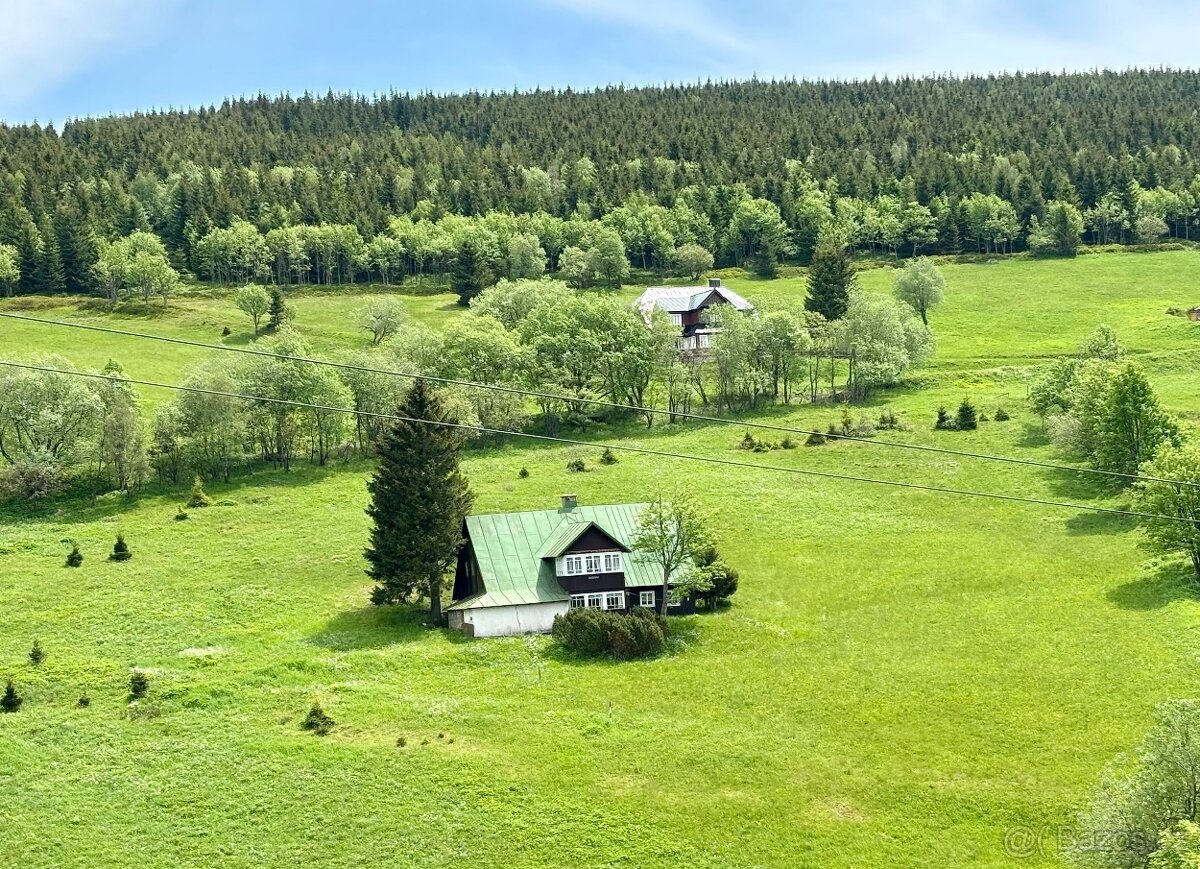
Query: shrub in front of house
(593,633)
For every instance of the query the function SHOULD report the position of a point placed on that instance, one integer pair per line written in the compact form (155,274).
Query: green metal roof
(516,551)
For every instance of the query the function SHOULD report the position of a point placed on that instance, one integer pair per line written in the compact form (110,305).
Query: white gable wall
(507,621)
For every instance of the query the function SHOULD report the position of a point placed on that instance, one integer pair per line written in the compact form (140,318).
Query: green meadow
(903,677)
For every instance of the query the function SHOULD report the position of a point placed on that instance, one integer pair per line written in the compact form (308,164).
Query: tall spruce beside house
(418,501)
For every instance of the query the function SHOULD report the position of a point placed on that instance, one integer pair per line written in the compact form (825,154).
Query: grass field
(902,678)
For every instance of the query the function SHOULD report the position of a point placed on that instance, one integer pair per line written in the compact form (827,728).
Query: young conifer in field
(37,654)
(317,720)
(966,418)
(11,701)
(139,683)
(74,557)
(120,550)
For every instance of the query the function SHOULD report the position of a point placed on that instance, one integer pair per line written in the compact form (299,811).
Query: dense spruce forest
(343,188)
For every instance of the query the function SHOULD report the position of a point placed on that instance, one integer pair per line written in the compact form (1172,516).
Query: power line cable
(512,390)
(1020,499)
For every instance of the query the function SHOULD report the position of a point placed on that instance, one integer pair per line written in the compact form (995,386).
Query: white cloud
(45,42)
(690,18)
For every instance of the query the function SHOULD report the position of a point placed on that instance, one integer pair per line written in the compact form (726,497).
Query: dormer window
(590,564)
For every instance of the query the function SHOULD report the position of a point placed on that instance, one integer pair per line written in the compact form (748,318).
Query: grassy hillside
(902,678)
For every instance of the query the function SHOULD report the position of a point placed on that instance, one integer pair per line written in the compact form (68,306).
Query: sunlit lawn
(903,676)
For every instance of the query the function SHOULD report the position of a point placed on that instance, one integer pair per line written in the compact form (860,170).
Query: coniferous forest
(342,188)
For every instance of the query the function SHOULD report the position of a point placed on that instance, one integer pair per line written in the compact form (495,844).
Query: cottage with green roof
(517,571)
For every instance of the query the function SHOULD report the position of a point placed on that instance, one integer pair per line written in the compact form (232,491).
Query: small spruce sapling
(608,457)
(120,550)
(944,422)
(74,557)
(11,701)
(317,720)
(37,654)
(1001,415)
(523,473)
(139,684)
(966,419)
(576,466)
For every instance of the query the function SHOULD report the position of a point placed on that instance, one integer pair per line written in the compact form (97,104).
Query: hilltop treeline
(912,165)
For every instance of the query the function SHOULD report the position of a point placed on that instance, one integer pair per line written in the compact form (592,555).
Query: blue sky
(71,58)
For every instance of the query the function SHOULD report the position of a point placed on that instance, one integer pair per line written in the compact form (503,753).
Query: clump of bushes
(74,557)
(317,720)
(181,515)
(37,654)
(787,443)
(608,457)
(889,421)
(721,579)
(849,428)
(139,683)
(576,466)
(120,550)
(11,701)
(966,418)
(593,633)
(815,439)
(198,497)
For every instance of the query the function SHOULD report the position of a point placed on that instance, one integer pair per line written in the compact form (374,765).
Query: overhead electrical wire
(944,490)
(513,390)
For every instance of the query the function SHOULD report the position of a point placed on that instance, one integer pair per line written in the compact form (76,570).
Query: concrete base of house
(507,621)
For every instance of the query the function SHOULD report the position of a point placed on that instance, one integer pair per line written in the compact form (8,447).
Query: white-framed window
(595,601)
(646,599)
(612,562)
(572,565)
(614,600)
(677,319)
(592,563)
(578,601)
(674,598)
(702,339)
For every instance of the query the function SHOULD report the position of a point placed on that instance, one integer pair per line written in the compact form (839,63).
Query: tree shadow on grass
(376,627)
(1170,583)
(1100,523)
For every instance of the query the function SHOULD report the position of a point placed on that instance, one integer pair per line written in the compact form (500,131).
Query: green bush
(576,466)
(815,439)
(120,550)
(787,443)
(198,497)
(11,701)
(1001,415)
(74,557)
(944,422)
(37,654)
(593,633)
(139,683)
(523,473)
(608,457)
(317,720)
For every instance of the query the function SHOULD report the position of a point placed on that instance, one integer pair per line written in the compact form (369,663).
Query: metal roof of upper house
(678,300)
(513,551)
